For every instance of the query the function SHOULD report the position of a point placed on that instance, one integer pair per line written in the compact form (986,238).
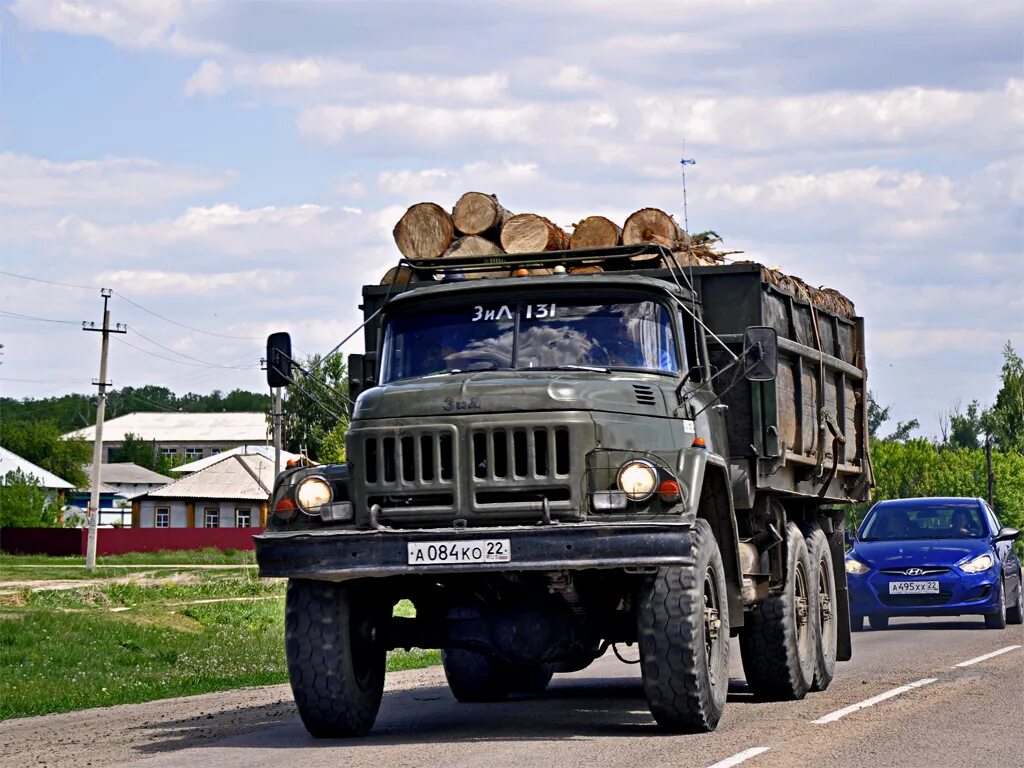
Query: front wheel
(1015,615)
(997,620)
(335,658)
(683,629)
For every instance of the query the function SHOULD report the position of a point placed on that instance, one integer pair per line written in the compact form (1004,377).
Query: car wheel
(1015,615)
(475,677)
(856,623)
(997,620)
(878,621)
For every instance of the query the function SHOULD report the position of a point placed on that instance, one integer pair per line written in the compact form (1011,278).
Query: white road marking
(739,757)
(840,713)
(987,656)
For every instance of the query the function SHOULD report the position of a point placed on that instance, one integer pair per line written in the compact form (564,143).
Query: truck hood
(512,391)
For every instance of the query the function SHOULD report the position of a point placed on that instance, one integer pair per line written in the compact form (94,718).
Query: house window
(163,517)
(212,517)
(214,451)
(243,518)
(193,453)
(168,452)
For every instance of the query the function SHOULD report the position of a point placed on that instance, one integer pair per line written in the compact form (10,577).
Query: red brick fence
(117,541)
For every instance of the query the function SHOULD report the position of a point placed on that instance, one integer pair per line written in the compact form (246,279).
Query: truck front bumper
(339,555)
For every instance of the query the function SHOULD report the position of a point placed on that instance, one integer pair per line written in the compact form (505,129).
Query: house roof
(182,427)
(252,450)
(12,462)
(128,472)
(231,477)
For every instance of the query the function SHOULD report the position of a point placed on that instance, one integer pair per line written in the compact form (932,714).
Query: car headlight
(637,479)
(312,493)
(978,564)
(856,567)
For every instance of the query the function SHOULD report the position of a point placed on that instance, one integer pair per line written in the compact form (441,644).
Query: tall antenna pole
(101,406)
(683,163)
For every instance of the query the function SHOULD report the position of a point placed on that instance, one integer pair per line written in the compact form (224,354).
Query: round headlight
(312,493)
(637,479)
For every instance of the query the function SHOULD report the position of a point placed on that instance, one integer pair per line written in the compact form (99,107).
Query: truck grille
(507,453)
(420,459)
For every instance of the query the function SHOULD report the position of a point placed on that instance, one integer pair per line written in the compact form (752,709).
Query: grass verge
(105,644)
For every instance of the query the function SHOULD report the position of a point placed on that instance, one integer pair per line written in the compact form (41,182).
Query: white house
(232,492)
(182,436)
(244,450)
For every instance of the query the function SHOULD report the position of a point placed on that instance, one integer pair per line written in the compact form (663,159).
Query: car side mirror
(279,359)
(850,537)
(760,353)
(1006,533)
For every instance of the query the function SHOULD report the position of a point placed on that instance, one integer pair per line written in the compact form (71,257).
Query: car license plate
(457,552)
(913,587)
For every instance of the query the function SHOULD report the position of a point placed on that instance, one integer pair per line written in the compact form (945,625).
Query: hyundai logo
(914,572)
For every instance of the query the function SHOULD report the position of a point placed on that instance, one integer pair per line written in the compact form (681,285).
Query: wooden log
(595,232)
(530,233)
(400,276)
(424,232)
(652,225)
(585,269)
(473,245)
(476,213)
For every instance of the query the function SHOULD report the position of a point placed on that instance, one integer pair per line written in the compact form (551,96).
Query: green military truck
(550,465)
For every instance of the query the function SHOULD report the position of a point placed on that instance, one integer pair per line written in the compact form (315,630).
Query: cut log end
(476,213)
(529,233)
(652,225)
(424,232)
(595,232)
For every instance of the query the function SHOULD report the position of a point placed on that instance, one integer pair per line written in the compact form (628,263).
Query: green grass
(67,650)
(208,556)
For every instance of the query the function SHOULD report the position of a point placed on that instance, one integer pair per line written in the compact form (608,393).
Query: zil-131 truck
(549,466)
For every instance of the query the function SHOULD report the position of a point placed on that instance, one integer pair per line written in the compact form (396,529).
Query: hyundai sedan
(934,557)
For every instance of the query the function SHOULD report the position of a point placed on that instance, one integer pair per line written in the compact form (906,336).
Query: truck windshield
(517,335)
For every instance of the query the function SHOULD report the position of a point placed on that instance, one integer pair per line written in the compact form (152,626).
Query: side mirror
(850,537)
(760,353)
(279,359)
(1006,533)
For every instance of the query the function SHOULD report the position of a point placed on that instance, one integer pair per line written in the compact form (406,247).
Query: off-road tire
(476,677)
(998,619)
(683,632)
(878,621)
(827,630)
(335,662)
(1015,615)
(777,642)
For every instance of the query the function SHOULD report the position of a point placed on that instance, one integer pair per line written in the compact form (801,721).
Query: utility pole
(988,468)
(97,448)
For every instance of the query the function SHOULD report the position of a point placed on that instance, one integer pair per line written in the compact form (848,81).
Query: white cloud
(143,282)
(208,80)
(33,182)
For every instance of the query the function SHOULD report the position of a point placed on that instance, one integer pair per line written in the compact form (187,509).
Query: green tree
(41,443)
(24,504)
(316,409)
(1005,421)
(965,428)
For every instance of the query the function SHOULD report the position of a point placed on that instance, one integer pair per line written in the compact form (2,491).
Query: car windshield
(933,521)
(521,335)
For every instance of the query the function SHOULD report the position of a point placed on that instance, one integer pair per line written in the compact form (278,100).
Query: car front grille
(924,570)
(914,600)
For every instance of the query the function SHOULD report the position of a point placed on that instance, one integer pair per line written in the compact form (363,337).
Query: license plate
(913,587)
(457,552)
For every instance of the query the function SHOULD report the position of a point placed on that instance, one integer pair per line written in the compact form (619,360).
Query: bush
(24,504)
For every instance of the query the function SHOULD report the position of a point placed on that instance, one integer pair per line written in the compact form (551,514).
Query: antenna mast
(683,163)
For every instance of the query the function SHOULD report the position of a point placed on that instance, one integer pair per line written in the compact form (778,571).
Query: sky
(231,169)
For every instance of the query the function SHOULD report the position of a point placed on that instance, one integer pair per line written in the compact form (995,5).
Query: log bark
(424,232)
(399,276)
(530,233)
(652,225)
(476,213)
(595,232)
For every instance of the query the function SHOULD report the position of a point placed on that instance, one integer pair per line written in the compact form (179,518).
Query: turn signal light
(521,272)
(669,491)
(286,508)
(698,442)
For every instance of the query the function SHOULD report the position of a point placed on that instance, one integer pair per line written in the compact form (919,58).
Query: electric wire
(183,325)
(19,316)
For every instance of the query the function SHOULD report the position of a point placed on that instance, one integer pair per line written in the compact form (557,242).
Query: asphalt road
(947,716)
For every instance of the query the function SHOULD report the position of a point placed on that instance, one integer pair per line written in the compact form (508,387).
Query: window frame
(206,517)
(156,517)
(247,511)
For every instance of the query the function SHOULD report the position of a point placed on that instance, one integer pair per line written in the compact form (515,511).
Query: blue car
(934,557)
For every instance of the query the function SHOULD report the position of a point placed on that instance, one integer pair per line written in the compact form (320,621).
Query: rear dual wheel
(779,641)
(827,631)
(478,677)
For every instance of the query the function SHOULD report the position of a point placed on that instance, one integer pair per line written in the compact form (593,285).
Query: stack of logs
(479,226)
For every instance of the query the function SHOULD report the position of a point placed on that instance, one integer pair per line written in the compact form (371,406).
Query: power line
(176,352)
(183,325)
(48,282)
(19,316)
(183,362)
(43,381)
